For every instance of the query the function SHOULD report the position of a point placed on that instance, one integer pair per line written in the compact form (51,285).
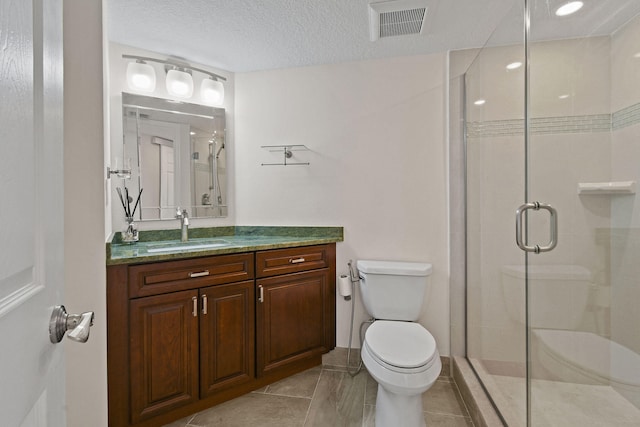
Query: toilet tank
(558,294)
(393,290)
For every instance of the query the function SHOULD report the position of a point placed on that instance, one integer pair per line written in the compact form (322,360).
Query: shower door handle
(553,224)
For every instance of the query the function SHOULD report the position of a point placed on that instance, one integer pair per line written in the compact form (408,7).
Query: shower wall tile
(557,69)
(573,67)
(488,79)
(625,157)
(625,66)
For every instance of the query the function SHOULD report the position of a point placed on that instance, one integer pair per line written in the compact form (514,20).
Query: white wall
(117,85)
(375,131)
(85,274)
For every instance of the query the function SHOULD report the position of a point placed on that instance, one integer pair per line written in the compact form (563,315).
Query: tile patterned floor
(326,396)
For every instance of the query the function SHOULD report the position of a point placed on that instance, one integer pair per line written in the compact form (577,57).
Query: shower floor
(556,403)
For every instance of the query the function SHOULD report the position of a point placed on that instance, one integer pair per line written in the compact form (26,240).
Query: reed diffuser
(130,235)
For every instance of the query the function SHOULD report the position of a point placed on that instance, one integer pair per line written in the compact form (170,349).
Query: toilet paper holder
(344,286)
(345,282)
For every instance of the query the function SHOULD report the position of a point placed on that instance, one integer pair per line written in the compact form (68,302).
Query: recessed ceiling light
(514,65)
(192,133)
(564,96)
(480,102)
(569,8)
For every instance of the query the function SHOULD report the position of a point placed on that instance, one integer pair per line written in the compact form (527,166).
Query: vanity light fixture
(569,8)
(212,91)
(141,76)
(179,81)
(514,65)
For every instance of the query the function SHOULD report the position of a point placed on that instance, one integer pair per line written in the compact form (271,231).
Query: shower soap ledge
(614,187)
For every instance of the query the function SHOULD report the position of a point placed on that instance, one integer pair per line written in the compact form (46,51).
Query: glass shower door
(583,159)
(494,107)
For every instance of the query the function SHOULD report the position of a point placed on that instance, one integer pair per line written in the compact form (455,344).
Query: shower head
(219,150)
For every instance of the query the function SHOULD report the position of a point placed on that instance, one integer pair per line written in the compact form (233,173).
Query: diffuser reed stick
(126,201)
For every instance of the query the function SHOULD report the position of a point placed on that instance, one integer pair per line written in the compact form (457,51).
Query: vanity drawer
(171,276)
(284,261)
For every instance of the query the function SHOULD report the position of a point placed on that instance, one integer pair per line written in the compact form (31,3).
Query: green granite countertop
(164,245)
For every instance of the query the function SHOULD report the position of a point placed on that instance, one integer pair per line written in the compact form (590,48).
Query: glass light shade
(141,77)
(212,92)
(179,84)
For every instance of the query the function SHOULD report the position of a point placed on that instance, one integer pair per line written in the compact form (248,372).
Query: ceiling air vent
(396,18)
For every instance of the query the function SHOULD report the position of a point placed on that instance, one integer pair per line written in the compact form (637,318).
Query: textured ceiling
(249,35)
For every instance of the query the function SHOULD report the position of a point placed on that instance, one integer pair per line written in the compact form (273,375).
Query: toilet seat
(403,347)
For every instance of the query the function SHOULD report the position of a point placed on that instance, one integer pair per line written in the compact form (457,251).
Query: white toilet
(399,354)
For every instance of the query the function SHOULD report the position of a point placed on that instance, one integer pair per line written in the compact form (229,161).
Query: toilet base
(393,409)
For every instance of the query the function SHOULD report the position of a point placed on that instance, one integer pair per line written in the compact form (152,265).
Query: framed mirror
(177,156)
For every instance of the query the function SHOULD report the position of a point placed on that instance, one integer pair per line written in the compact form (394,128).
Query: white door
(167,181)
(31,212)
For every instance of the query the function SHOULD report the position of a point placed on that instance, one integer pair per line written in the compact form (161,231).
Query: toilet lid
(400,344)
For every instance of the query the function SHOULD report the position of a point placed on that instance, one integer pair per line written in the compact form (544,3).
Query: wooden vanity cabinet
(227,336)
(187,345)
(163,354)
(185,335)
(295,312)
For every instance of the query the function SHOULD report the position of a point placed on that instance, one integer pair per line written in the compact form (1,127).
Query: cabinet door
(163,353)
(227,336)
(293,318)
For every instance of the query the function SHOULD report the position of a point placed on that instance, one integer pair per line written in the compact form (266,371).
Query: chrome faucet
(182,215)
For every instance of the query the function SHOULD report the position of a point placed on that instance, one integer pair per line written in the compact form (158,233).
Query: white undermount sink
(186,246)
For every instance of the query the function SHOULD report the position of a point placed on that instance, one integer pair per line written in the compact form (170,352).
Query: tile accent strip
(553,125)
(541,125)
(626,117)
(572,124)
(495,128)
